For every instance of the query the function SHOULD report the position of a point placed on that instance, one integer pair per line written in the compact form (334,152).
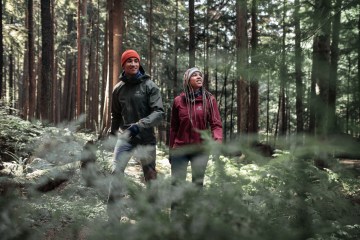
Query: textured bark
(46,61)
(118,28)
(358,72)
(176,89)
(94,79)
(81,46)
(104,110)
(241,48)
(298,71)
(322,55)
(192,43)
(1,51)
(32,80)
(11,79)
(68,97)
(283,76)
(334,58)
(150,24)
(206,45)
(254,84)
(56,84)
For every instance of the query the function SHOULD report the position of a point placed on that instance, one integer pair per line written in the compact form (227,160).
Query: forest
(286,76)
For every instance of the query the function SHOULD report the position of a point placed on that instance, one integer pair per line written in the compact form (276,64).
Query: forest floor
(62,195)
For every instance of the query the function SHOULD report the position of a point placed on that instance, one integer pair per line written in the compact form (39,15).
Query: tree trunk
(241,55)
(232,107)
(150,37)
(268,108)
(298,71)
(333,73)
(46,61)
(90,81)
(1,52)
(216,62)
(95,78)
(358,74)
(11,79)
(56,84)
(81,46)
(118,29)
(110,77)
(323,57)
(32,80)
(283,76)
(254,84)
(192,43)
(69,81)
(176,88)
(104,109)
(206,46)
(24,85)
(225,105)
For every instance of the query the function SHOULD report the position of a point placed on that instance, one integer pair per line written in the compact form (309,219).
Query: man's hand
(133,130)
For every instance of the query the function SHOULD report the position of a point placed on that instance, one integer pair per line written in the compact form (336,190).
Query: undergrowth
(285,197)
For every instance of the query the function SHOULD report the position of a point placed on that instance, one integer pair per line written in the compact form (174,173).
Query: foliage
(285,197)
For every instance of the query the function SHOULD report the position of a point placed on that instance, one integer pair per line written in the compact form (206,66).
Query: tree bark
(176,89)
(104,109)
(334,58)
(150,24)
(46,61)
(1,51)
(283,77)
(32,80)
(254,84)
(323,57)
(358,73)
(68,96)
(118,29)
(241,55)
(81,47)
(298,71)
(192,43)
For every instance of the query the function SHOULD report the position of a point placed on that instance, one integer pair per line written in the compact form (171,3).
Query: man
(136,109)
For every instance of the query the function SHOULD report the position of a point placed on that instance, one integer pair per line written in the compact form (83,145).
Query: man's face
(131,66)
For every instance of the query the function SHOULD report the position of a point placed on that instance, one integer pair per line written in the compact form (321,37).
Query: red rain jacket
(182,132)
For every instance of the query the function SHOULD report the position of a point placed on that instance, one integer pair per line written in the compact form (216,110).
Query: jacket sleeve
(156,108)
(116,117)
(215,121)
(174,124)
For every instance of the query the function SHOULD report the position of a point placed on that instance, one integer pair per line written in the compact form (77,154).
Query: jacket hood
(135,80)
(192,97)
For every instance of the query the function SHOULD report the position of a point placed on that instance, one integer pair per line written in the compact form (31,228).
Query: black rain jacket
(137,101)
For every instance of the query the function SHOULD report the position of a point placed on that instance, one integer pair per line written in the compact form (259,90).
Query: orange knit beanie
(129,54)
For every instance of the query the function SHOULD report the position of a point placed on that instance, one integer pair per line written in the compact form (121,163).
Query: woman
(194,110)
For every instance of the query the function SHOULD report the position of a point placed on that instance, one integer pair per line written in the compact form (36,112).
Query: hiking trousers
(145,154)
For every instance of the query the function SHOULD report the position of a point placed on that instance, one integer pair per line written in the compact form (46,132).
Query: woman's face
(131,66)
(196,80)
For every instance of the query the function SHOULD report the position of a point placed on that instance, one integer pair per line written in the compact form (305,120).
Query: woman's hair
(190,96)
